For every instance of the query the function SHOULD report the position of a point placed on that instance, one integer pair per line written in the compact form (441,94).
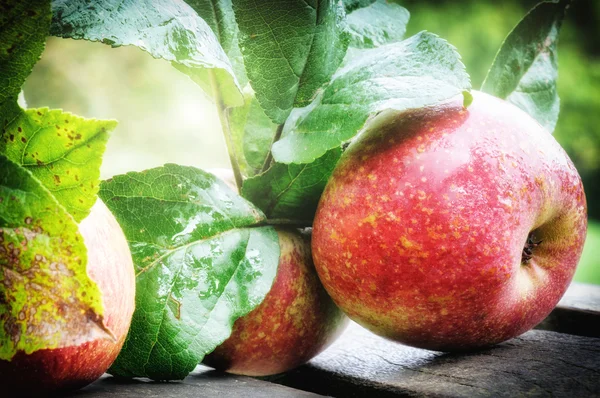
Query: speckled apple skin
(67,368)
(295,322)
(420,231)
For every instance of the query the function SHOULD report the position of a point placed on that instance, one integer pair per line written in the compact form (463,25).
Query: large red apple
(111,267)
(296,321)
(451,228)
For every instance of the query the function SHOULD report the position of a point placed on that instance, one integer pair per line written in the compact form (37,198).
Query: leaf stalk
(269,159)
(222,111)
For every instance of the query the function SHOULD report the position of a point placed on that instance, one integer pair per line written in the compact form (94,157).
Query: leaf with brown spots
(63,151)
(47,299)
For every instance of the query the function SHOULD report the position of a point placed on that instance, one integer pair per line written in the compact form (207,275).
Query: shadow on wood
(538,363)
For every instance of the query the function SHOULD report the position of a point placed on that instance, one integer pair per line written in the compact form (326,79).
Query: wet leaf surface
(202,261)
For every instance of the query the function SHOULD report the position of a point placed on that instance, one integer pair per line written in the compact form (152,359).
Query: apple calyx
(528,249)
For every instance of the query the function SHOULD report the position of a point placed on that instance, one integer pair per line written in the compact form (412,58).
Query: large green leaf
(290,48)
(218,14)
(351,5)
(291,191)
(202,261)
(169,30)
(47,299)
(423,70)
(24,26)
(525,69)
(377,24)
(63,151)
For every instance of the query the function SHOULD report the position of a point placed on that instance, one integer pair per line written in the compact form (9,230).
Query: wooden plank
(582,296)
(203,382)
(361,364)
(577,313)
(539,363)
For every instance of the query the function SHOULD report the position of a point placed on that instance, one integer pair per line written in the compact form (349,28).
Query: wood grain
(203,382)
(538,363)
(361,364)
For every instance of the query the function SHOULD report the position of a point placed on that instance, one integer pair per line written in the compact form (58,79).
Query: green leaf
(377,24)
(202,261)
(291,191)
(351,5)
(24,25)
(63,151)
(421,71)
(166,29)
(525,69)
(218,14)
(291,49)
(47,299)
(252,133)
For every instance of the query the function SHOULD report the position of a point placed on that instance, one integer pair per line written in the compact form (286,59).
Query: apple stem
(528,249)
(269,158)
(222,111)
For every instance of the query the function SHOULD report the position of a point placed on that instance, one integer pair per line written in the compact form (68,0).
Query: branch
(269,158)
(221,109)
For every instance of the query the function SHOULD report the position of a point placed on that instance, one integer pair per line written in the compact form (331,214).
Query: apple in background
(295,322)
(451,228)
(65,368)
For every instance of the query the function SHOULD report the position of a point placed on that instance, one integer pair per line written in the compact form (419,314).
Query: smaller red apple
(67,368)
(295,322)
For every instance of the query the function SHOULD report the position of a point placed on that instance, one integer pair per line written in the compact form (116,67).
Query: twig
(221,109)
(269,158)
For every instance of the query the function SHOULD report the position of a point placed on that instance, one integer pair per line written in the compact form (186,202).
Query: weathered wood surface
(539,363)
(203,382)
(360,364)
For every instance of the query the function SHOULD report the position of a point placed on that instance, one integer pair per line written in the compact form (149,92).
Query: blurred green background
(163,117)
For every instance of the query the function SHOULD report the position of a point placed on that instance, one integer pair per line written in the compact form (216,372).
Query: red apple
(111,267)
(296,321)
(451,228)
